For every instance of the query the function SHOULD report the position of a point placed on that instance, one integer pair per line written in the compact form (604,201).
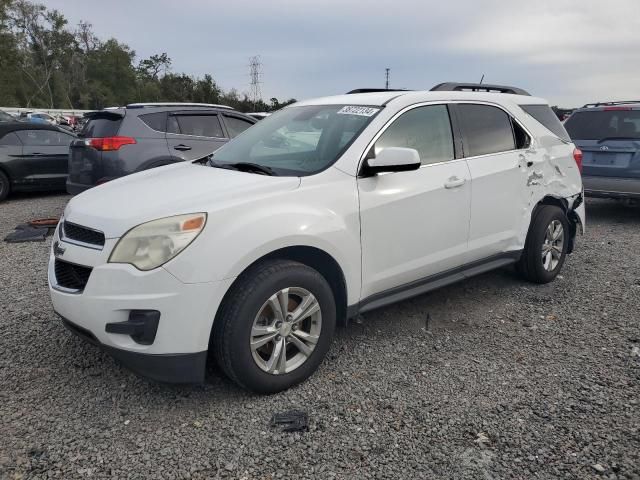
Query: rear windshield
(544,115)
(604,124)
(101,126)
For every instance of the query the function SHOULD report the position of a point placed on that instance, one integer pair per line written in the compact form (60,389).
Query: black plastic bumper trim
(142,326)
(167,368)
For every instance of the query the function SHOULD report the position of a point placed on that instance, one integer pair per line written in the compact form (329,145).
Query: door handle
(454,182)
(182,147)
(36,154)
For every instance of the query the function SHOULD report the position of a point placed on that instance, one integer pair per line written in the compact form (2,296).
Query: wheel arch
(313,257)
(563,204)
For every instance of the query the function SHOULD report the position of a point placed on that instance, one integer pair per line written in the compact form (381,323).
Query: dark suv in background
(609,136)
(119,141)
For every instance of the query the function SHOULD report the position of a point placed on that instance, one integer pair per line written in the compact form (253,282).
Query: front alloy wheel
(274,326)
(286,330)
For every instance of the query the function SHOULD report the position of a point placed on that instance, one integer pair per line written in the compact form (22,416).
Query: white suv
(326,209)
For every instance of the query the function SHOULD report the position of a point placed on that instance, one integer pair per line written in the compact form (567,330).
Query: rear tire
(251,314)
(546,246)
(5,186)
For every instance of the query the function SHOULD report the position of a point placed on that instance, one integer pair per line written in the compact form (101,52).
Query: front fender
(237,236)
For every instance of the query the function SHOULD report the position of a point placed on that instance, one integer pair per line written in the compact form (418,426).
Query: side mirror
(393,159)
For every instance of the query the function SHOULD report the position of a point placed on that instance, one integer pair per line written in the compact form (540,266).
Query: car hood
(119,205)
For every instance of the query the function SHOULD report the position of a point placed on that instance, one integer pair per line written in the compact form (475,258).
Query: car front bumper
(177,349)
(611,187)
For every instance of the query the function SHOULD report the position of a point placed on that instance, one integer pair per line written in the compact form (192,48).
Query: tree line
(45,63)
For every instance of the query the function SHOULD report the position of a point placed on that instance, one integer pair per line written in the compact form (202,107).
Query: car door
(45,156)
(11,156)
(192,135)
(496,149)
(415,224)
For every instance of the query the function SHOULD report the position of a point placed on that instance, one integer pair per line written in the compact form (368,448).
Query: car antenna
(481,79)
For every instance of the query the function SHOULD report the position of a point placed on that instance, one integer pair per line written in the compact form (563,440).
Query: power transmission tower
(255,66)
(387,71)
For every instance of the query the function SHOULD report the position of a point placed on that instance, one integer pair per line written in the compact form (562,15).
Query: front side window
(48,138)
(425,129)
(486,129)
(299,140)
(10,139)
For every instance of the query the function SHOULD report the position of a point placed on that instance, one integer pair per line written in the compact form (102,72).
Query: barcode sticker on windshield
(354,110)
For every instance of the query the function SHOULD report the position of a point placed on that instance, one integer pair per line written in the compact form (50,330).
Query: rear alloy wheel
(275,326)
(552,246)
(5,186)
(546,246)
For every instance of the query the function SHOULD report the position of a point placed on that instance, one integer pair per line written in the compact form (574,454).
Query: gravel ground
(506,380)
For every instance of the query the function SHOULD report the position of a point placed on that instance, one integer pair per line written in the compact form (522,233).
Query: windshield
(603,124)
(298,141)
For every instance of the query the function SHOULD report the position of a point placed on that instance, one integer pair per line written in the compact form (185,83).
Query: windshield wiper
(617,138)
(243,167)
(251,167)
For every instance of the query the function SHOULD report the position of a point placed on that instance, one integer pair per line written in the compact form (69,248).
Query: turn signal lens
(154,243)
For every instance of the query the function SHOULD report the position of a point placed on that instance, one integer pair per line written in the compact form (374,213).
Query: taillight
(577,156)
(108,144)
(615,109)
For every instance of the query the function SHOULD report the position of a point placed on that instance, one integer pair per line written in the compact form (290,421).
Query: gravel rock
(472,393)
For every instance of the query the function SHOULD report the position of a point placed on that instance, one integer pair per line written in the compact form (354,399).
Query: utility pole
(255,71)
(387,70)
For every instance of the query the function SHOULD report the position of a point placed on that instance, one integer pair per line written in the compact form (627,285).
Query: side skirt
(433,282)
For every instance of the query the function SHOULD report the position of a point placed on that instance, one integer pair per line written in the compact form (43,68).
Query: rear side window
(98,127)
(425,129)
(196,125)
(544,115)
(486,129)
(47,138)
(155,121)
(10,139)
(612,124)
(236,125)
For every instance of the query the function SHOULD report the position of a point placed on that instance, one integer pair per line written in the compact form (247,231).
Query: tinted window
(199,125)
(5,117)
(44,138)
(10,139)
(486,129)
(104,126)
(236,125)
(601,124)
(523,140)
(156,121)
(544,115)
(426,129)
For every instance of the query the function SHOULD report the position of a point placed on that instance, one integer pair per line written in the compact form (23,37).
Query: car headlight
(154,243)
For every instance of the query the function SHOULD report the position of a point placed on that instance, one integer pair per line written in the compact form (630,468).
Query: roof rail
(603,104)
(478,87)
(177,104)
(376,90)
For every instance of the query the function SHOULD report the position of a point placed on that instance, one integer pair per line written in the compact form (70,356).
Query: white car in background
(254,253)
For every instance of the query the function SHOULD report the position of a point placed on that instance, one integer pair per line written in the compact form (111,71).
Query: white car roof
(410,97)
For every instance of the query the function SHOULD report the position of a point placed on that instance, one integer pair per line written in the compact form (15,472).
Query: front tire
(275,326)
(546,246)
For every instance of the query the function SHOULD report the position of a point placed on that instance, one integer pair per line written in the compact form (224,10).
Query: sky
(568,51)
